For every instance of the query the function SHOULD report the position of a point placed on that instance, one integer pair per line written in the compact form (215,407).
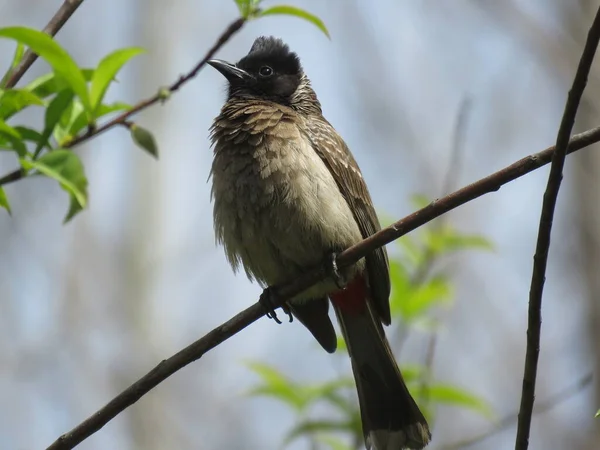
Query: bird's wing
(335,153)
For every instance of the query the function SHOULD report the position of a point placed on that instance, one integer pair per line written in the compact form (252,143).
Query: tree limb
(196,350)
(540,258)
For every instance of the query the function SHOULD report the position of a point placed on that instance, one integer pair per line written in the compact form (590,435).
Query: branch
(160,96)
(63,14)
(542,407)
(540,258)
(195,351)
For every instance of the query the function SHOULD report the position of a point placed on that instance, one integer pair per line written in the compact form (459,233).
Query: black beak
(230,71)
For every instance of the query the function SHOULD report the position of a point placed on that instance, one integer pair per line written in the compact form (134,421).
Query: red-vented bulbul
(288,194)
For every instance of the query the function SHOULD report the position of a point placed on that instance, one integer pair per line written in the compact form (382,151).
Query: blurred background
(88,308)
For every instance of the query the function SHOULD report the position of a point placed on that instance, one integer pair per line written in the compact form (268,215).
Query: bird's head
(270,71)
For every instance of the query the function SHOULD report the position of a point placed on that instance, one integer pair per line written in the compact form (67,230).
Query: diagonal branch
(63,14)
(196,350)
(160,96)
(540,258)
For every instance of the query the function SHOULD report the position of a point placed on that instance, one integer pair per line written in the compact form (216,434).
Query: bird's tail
(391,419)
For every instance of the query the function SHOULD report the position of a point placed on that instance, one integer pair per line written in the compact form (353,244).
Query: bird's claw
(333,271)
(268,301)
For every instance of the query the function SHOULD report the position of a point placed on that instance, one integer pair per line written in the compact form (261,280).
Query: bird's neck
(303,101)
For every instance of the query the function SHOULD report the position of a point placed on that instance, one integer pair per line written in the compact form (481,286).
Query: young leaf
(333,443)
(597,414)
(11,139)
(452,395)
(105,108)
(14,100)
(276,385)
(318,426)
(13,145)
(144,139)
(4,200)
(31,135)
(106,71)
(420,201)
(327,389)
(65,167)
(58,58)
(50,83)
(74,208)
(8,130)
(293,11)
(17,56)
(247,8)
(425,296)
(54,112)
(446,240)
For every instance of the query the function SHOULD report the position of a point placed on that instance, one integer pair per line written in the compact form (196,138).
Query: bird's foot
(269,302)
(332,270)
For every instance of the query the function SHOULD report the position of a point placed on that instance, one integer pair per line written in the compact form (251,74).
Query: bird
(288,196)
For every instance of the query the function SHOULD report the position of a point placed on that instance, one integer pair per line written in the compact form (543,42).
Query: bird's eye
(265,71)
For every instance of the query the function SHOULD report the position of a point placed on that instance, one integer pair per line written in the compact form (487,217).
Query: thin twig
(160,96)
(223,332)
(540,258)
(541,407)
(63,14)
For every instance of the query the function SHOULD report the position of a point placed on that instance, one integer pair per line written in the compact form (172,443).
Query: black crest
(272,51)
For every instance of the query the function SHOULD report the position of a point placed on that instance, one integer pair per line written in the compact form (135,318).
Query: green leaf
(413,373)
(58,58)
(65,167)
(247,8)
(341,344)
(31,135)
(50,83)
(106,72)
(452,395)
(411,251)
(74,208)
(298,12)
(412,302)
(11,139)
(4,200)
(74,119)
(8,130)
(276,385)
(334,392)
(112,107)
(420,201)
(318,426)
(597,414)
(144,139)
(17,56)
(333,443)
(446,239)
(59,104)
(14,100)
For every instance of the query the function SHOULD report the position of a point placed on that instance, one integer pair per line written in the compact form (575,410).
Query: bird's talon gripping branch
(333,271)
(269,303)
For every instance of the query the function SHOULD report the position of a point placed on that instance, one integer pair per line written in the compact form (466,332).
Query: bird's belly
(282,218)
